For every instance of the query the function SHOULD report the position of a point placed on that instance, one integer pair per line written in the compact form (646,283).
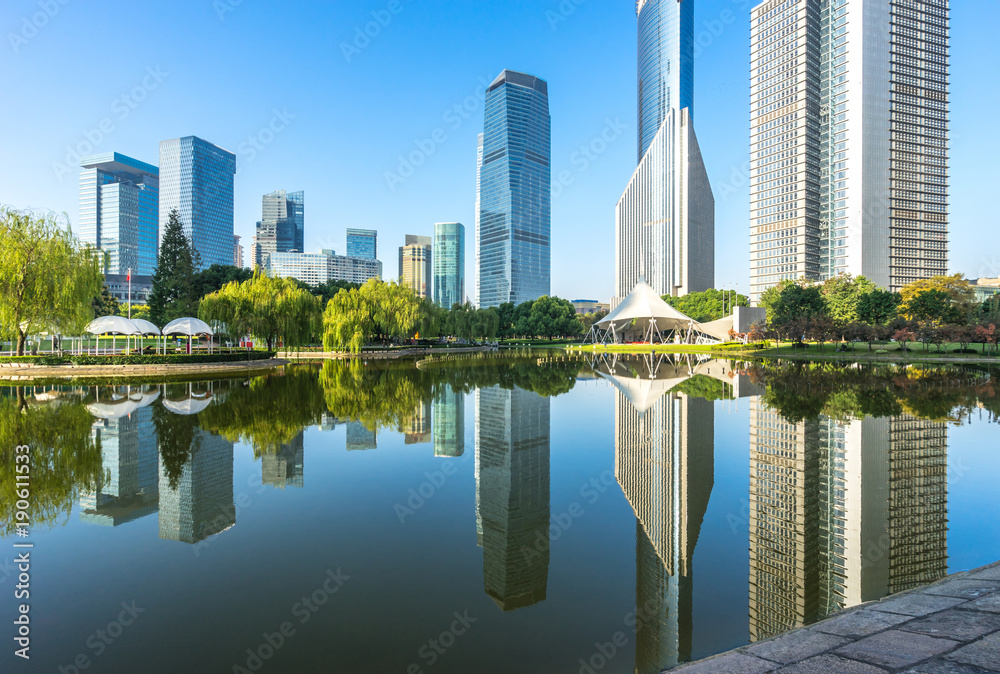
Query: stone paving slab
(956,624)
(964,588)
(861,623)
(990,603)
(989,573)
(896,648)
(915,604)
(731,663)
(984,653)
(795,646)
(823,664)
(946,667)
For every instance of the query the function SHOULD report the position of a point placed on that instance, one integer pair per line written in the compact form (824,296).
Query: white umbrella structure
(113,325)
(147,329)
(192,327)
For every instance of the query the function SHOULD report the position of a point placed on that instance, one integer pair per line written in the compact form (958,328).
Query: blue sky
(273,83)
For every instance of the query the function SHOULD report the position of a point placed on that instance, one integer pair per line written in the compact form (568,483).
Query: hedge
(143,359)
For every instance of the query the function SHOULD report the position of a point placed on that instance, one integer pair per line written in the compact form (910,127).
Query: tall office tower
(513,236)
(362,243)
(253,252)
(416,429)
(359,437)
(285,468)
(841,513)
(479,201)
(128,488)
(849,141)
(512,492)
(196,178)
(448,258)
(448,431)
(664,462)
(237,251)
(665,220)
(416,265)
(202,504)
(281,228)
(119,210)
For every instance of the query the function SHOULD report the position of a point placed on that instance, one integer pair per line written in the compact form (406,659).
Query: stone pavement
(952,626)
(208,370)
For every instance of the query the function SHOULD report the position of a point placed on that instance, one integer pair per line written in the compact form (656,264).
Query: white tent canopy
(188,406)
(146,327)
(112,325)
(190,327)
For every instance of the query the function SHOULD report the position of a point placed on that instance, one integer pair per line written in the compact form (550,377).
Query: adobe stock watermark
(990,268)
(364,34)
(434,649)
(121,108)
(424,148)
(223,7)
(303,610)
(241,502)
(417,497)
(101,640)
(605,651)
(584,156)
(33,23)
(255,143)
(562,12)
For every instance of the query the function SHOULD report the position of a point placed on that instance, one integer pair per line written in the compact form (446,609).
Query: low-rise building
(590,306)
(326,265)
(985,288)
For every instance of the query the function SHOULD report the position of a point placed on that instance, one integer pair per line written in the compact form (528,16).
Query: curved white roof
(112,325)
(188,406)
(187,326)
(643,303)
(116,410)
(146,327)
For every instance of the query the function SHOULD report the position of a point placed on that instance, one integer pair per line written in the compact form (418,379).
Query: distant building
(362,243)
(196,178)
(316,268)
(415,264)
(448,259)
(285,468)
(985,288)
(584,307)
(118,286)
(360,438)
(417,429)
(449,423)
(237,252)
(281,228)
(513,238)
(479,195)
(253,253)
(119,211)
(201,504)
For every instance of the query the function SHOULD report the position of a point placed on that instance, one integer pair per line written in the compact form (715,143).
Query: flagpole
(130,293)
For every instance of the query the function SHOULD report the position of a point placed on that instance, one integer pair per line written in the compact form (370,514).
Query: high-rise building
(317,268)
(119,211)
(479,175)
(416,429)
(448,430)
(237,251)
(513,236)
(849,141)
(448,258)
(360,437)
(253,253)
(512,494)
(196,179)
(415,264)
(201,503)
(665,220)
(284,468)
(362,243)
(281,228)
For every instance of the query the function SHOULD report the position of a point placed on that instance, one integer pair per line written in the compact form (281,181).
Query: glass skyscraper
(196,178)
(415,264)
(513,238)
(449,263)
(665,220)
(849,141)
(119,209)
(282,225)
(362,243)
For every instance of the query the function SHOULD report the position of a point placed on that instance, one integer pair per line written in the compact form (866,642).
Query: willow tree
(47,279)
(268,308)
(377,311)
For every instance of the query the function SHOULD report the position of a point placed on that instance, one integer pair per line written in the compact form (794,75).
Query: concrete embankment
(28,372)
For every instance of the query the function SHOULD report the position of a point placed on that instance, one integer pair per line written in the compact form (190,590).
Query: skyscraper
(201,504)
(665,220)
(415,264)
(513,237)
(119,211)
(362,243)
(282,225)
(448,258)
(237,251)
(849,141)
(479,175)
(448,430)
(196,178)
(284,468)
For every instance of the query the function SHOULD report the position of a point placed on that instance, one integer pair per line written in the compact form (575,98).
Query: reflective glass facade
(282,225)
(514,231)
(197,180)
(416,264)
(362,243)
(119,198)
(449,263)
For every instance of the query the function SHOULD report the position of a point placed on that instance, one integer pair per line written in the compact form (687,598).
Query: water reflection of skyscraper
(449,423)
(512,494)
(285,467)
(841,512)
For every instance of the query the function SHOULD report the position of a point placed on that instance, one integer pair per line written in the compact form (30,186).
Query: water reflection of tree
(177,439)
(65,460)
(801,391)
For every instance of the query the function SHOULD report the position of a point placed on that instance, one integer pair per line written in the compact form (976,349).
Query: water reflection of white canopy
(188,406)
(112,325)
(189,327)
(122,406)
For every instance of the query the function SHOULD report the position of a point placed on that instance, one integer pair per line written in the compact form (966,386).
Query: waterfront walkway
(951,626)
(28,372)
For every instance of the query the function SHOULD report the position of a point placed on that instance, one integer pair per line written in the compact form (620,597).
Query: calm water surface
(486,515)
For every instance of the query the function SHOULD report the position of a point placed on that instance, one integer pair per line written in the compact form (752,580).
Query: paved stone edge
(84,371)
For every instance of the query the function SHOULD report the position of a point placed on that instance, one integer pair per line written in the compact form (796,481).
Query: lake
(531,512)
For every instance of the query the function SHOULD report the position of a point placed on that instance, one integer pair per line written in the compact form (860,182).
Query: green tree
(843,294)
(47,280)
(174,293)
(268,308)
(376,311)
(878,307)
(960,294)
(796,303)
(770,298)
(934,306)
(989,311)
(505,312)
(210,280)
(707,306)
(106,304)
(433,319)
